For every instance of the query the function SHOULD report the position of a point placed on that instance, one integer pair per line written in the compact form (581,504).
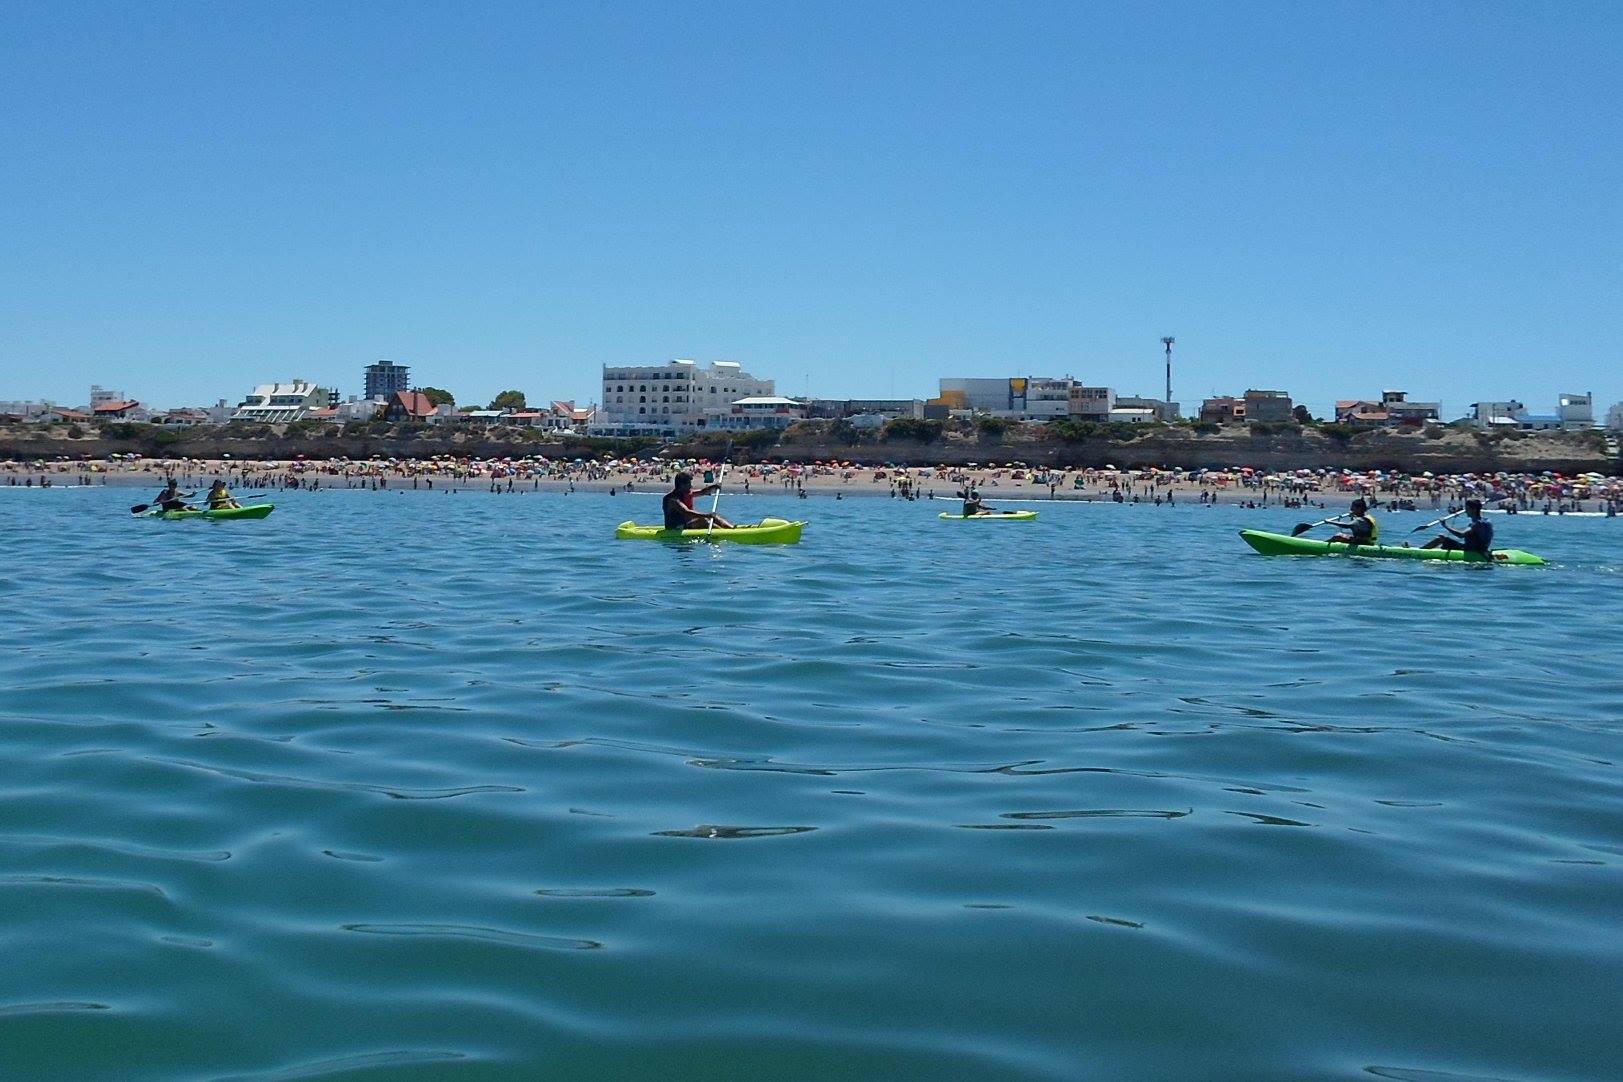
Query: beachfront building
(101,396)
(410,407)
(1160,409)
(1267,406)
(671,399)
(1614,418)
(122,409)
(281,403)
(1016,397)
(1506,414)
(760,411)
(1401,411)
(26,411)
(1576,411)
(1223,410)
(384,378)
(1091,403)
(885,409)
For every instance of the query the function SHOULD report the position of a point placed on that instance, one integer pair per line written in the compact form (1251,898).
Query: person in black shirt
(1476,538)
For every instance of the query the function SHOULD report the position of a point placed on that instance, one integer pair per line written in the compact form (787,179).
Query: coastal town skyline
(1319,201)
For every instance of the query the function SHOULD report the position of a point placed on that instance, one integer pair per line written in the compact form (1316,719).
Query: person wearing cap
(1476,538)
(219,498)
(1360,525)
(679,512)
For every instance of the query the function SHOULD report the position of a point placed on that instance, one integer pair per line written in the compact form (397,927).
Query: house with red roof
(409,406)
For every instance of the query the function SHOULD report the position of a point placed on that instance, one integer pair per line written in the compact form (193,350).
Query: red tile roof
(415,403)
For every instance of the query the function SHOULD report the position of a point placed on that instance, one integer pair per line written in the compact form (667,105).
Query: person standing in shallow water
(678,505)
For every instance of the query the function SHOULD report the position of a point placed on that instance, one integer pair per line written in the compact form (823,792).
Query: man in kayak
(679,512)
(973,505)
(1476,538)
(171,498)
(218,498)
(1360,526)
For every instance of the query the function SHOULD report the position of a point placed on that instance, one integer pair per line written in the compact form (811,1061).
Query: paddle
(715,501)
(1302,527)
(1436,522)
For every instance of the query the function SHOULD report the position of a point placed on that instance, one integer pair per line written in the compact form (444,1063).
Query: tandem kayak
(1278,544)
(991,516)
(769,531)
(258,510)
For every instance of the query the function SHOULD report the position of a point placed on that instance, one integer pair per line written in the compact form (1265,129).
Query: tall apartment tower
(384,378)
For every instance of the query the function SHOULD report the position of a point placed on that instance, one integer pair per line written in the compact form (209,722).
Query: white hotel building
(672,399)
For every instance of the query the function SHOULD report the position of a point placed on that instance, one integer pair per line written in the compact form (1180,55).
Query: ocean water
(415,786)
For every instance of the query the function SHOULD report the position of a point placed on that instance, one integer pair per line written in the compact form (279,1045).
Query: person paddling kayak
(1476,538)
(171,498)
(1360,526)
(679,512)
(973,505)
(218,498)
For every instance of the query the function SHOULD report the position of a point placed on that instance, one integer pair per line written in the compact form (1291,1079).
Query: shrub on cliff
(992,428)
(911,428)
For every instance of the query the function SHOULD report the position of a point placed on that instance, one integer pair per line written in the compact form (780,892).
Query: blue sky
(1328,198)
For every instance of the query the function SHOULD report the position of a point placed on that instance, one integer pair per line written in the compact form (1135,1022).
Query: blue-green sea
(408,785)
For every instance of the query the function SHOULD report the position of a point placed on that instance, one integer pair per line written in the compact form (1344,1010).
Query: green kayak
(769,531)
(258,510)
(1278,544)
(991,516)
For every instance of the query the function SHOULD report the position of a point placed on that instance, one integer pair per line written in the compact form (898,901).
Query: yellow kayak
(769,531)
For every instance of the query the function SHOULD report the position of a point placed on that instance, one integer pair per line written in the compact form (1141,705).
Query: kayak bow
(1278,544)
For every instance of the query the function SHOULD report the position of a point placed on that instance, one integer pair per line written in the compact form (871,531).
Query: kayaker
(973,505)
(1476,538)
(679,512)
(171,498)
(218,498)
(1360,526)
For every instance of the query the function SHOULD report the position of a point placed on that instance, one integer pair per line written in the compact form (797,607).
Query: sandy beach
(1308,489)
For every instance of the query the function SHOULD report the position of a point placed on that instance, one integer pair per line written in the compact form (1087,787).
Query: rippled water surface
(409,786)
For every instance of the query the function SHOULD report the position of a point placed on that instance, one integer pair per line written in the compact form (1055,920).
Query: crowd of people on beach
(1547,491)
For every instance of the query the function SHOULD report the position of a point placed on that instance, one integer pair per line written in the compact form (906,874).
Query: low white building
(1497,414)
(1614,418)
(280,403)
(762,411)
(671,399)
(28,411)
(1576,411)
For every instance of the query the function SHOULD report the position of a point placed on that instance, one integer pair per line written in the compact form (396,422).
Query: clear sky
(854,199)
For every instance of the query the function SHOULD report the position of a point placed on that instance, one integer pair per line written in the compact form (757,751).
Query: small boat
(1278,544)
(769,531)
(991,516)
(257,510)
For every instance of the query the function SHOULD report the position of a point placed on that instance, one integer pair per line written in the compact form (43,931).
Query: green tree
(438,395)
(1303,417)
(508,400)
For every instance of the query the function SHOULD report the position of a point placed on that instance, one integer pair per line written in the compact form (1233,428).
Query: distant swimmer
(1476,538)
(1360,525)
(679,512)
